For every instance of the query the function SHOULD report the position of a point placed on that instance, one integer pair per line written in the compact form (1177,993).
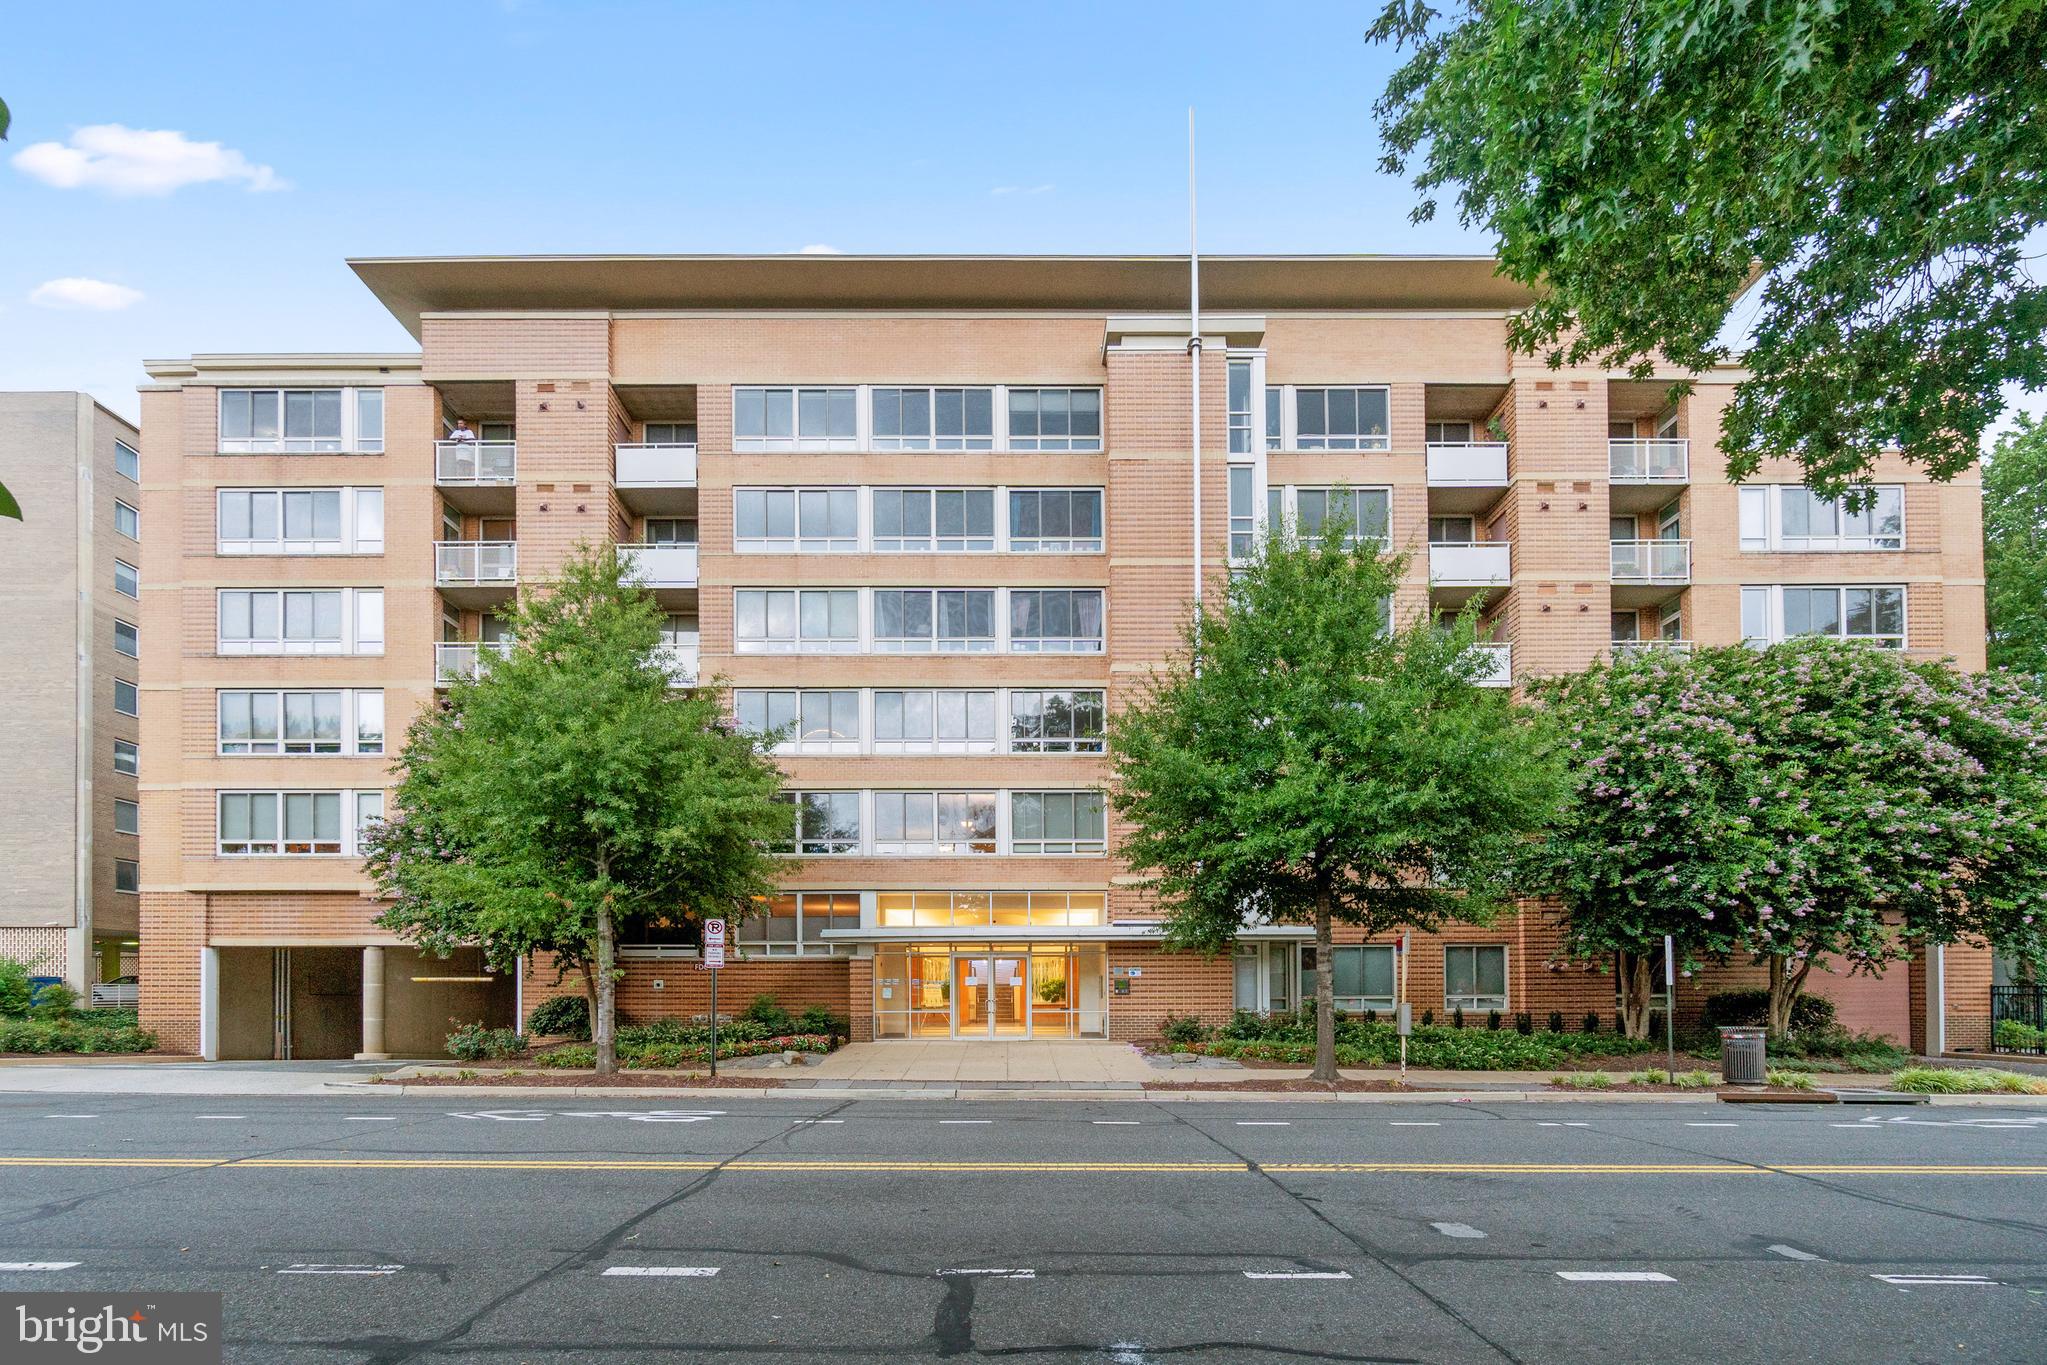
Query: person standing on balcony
(462,431)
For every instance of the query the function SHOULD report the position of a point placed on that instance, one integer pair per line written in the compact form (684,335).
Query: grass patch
(1693,1080)
(1779,1079)
(1583,1080)
(1940,1080)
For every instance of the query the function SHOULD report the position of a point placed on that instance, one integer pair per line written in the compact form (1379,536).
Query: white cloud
(1002,190)
(139,161)
(819,249)
(73,291)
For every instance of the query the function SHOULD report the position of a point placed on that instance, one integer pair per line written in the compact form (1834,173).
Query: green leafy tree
(571,791)
(1303,760)
(1814,800)
(1639,160)
(2015,547)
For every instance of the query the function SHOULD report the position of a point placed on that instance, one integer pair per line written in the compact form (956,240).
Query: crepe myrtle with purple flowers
(1814,800)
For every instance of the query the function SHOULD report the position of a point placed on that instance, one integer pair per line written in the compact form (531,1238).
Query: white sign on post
(714,943)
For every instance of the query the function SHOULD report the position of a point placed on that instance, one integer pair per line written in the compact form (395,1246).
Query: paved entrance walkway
(1077,1062)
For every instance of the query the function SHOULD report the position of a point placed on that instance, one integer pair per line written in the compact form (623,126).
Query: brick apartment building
(938,514)
(70,870)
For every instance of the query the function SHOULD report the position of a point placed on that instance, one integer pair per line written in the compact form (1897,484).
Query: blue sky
(306,134)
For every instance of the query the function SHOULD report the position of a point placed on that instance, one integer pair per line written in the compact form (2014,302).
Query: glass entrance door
(988,992)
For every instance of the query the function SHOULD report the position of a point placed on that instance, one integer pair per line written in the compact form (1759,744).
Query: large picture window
(1057,822)
(934,620)
(933,419)
(807,722)
(1055,620)
(793,924)
(1061,520)
(796,620)
(1055,419)
(1056,722)
(798,520)
(934,823)
(1475,976)
(821,823)
(941,520)
(941,721)
(770,419)
(301,421)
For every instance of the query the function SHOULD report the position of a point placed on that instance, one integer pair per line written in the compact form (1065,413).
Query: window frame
(1048,846)
(1072,742)
(1763,516)
(1290,439)
(129,468)
(797,642)
(936,541)
(939,699)
(133,529)
(832,845)
(1360,498)
(134,580)
(353,707)
(1071,543)
(1357,1002)
(134,695)
(931,440)
(348,813)
(1068,644)
(133,755)
(127,639)
(796,741)
(797,440)
(354,405)
(349,538)
(941,809)
(128,870)
(133,809)
(802,943)
(1767,599)
(960,601)
(1476,1000)
(800,540)
(1039,440)
(360,612)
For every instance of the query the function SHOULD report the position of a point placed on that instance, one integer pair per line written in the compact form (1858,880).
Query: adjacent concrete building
(70,670)
(939,514)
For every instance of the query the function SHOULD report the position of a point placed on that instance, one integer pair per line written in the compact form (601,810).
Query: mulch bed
(1296,1086)
(544,1080)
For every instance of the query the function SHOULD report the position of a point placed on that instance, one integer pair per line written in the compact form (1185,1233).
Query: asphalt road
(895,1230)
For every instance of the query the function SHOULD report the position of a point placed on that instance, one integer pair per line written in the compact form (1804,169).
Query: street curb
(535,1092)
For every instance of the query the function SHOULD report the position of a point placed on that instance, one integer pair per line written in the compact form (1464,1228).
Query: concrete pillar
(372,1006)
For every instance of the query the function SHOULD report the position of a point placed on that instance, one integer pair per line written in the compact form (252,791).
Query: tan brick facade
(574,383)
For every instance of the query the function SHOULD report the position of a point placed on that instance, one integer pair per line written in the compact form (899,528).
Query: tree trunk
(1786,986)
(602,1027)
(1325,992)
(1631,971)
(590,996)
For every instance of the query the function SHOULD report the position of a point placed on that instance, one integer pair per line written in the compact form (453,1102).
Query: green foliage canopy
(2015,548)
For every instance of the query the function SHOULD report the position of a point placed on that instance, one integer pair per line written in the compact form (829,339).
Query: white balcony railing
(1467,464)
(1662,460)
(655,465)
(467,658)
(116,995)
(1499,664)
(662,566)
(680,659)
(477,563)
(1470,563)
(1656,644)
(1652,561)
(476,462)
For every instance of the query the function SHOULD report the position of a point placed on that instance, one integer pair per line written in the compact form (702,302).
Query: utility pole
(1194,357)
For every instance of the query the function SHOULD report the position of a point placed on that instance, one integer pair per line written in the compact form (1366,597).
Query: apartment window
(1057,722)
(1670,622)
(662,531)
(934,823)
(300,521)
(301,621)
(1475,977)
(804,722)
(805,520)
(1266,975)
(1055,519)
(289,823)
(1055,419)
(1791,517)
(794,419)
(1364,514)
(943,520)
(933,419)
(125,640)
(127,580)
(1623,627)
(127,520)
(1240,407)
(127,759)
(301,421)
(1340,419)
(1360,977)
(1243,510)
(1452,530)
(1877,614)
(934,620)
(796,620)
(793,924)
(126,701)
(821,822)
(670,434)
(1275,417)
(127,875)
(369,721)
(944,721)
(281,722)
(127,463)
(1055,620)
(1056,822)
(127,816)
(1447,433)
(977,909)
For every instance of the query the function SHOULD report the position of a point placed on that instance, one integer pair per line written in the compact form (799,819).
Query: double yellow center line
(878,1165)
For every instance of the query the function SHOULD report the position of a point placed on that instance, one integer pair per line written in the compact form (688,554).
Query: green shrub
(1556,1021)
(1808,1012)
(2018,1036)
(16,990)
(87,1031)
(763,1010)
(1176,1028)
(1787,1080)
(1693,1080)
(1457,1017)
(566,1056)
(1591,1022)
(1524,1023)
(1583,1080)
(1940,1080)
(54,1000)
(816,1019)
(562,1016)
(1492,1021)
(475,1043)
(1428,1018)
(1650,1077)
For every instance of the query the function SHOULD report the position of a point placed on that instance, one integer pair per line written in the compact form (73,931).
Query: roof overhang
(1120,284)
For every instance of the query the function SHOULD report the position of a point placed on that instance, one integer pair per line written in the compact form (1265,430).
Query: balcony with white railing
(656,477)
(476,573)
(1661,459)
(476,476)
(1465,467)
(466,659)
(662,566)
(1652,561)
(680,658)
(1499,659)
(1625,649)
(1470,563)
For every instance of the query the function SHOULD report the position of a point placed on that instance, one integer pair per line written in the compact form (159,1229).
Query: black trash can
(1741,1055)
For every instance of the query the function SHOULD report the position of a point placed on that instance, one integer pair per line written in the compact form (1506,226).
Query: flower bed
(663,1055)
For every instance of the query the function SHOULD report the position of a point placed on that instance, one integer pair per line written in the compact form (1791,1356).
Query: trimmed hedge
(79,1032)
(644,1055)
(1374,1044)
(562,1016)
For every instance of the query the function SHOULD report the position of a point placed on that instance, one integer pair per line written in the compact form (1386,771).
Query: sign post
(1402,1015)
(714,961)
(1670,1006)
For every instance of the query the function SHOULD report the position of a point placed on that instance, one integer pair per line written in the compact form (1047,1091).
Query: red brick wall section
(685,989)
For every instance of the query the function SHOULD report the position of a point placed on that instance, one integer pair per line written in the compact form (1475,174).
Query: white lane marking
(965,1121)
(1794,1254)
(371,1118)
(1297,1274)
(71,1116)
(1265,1123)
(1617,1276)
(1412,1123)
(994,1273)
(305,1269)
(817,1120)
(1114,1123)
(1711,1125)
(37,1265)
(1902,1281)
(693,1272)
(1457,1229)
(1854,1127)
(220,1116)
(1544,1123)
